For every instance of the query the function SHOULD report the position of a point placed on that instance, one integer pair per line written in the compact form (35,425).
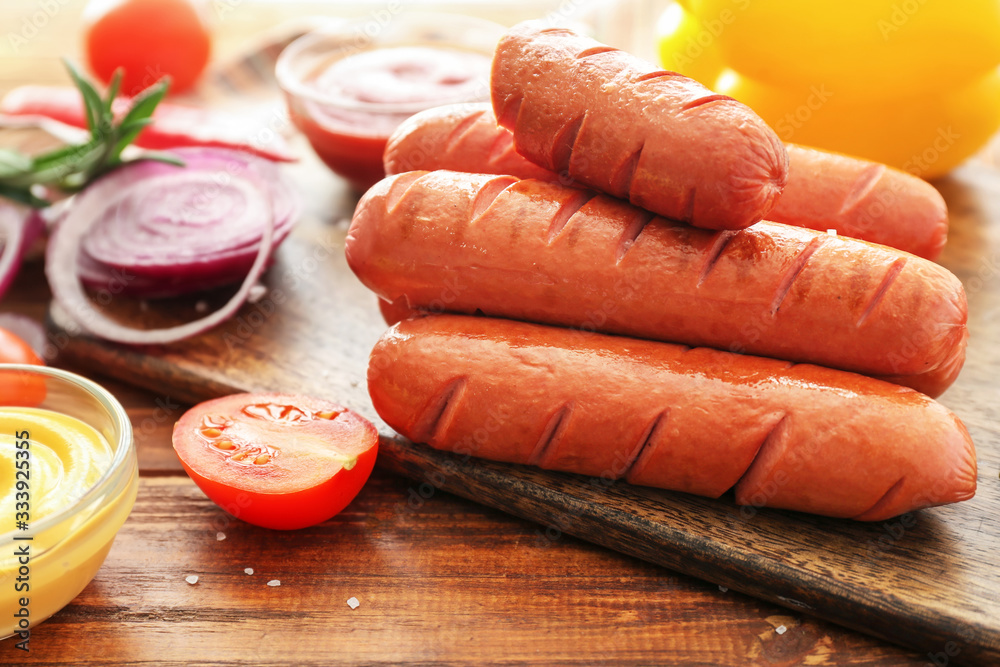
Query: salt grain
(220,536)
(248,570)
(274,582)
(831,232)
(201,307)
(723,589)
(353,603)
(780,629)
(191,579)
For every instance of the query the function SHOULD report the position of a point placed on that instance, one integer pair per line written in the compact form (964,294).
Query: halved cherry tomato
(15,387)
(276,460)
(150,39)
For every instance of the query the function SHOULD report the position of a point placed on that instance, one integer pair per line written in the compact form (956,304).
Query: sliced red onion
(178,230)
(124,194)
(14,232)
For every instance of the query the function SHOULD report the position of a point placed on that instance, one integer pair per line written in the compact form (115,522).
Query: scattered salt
(780,629)
(201,307)
(220,536)
(274,582)
(191,579)
(353,603)
(723,589)
(257,292)
(248,570)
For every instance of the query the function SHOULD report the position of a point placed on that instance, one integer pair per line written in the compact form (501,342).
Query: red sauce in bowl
(365,96)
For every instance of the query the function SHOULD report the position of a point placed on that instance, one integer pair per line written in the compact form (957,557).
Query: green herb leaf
(13,163)
(22,195)
(145,102)
(93,104)
(113,88)
(127,134)
(71,168)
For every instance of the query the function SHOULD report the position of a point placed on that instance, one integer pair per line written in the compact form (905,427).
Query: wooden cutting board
(929,580)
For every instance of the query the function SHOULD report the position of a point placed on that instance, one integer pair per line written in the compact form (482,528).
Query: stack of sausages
(585,284)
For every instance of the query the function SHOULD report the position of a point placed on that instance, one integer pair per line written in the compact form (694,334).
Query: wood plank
(448,584)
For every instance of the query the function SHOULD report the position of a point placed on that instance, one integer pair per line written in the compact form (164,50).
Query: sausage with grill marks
(543,252)
(616,123)
(857,198)
(697,420)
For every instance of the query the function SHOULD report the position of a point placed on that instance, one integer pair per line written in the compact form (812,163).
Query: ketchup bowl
(65,500)
(350,85)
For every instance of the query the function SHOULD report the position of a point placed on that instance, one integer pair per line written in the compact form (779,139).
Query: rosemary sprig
(70,168)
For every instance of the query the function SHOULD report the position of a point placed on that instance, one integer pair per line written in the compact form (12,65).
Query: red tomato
(150,39)
(276,460)
(15,388)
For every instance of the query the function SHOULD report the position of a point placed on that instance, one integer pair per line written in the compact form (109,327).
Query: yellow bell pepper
(912,83)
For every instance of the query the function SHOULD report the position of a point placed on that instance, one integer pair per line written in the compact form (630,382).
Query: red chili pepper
(173,125)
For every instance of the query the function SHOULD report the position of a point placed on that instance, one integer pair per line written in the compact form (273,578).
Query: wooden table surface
(440,581)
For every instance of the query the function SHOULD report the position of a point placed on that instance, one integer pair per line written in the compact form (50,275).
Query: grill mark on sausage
(455,136)
(890,277)
(688,209)
(399,188)
(551,435)
(721,242)
(642,452)
(502,144)
(510,111)
(862,186)
(702,101)
(887,499)
(662,74)
(621,181)
(631,234)
(594,51)
(794,271)
(488,194)
(439,414)
(565,142)
(567,211)
(771,437)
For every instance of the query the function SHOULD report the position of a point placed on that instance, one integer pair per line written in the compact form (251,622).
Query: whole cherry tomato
(149,39)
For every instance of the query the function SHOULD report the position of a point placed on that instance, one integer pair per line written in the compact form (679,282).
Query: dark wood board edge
(548,498)
(542,493)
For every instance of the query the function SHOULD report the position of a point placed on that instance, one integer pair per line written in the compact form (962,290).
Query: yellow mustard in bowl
(68,480)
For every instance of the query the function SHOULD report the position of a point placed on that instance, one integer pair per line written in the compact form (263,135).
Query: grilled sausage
(697,420)
(857,198)
(619,124)
(543,252)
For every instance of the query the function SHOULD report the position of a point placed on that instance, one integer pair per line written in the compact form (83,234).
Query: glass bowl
(66,547)
(348,130)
